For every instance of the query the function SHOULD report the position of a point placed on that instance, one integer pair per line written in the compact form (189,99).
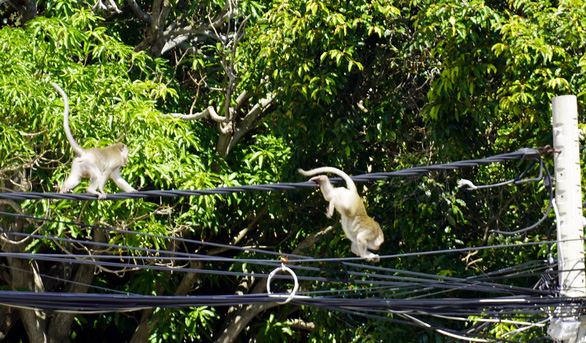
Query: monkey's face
(320,179)
(378,239)
(123,152)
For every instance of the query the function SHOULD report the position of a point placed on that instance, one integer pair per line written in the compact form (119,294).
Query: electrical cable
(426,280)
(521,154)
(547,181)
(391,282)
(177,239)
(424,285)
(404,282)
(65,281)
(423,253)
(182,256)
(445,306)
(291,258)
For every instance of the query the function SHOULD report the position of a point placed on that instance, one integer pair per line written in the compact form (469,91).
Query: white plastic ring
(295,285)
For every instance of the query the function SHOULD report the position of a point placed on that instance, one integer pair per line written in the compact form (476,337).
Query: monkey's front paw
(373,258)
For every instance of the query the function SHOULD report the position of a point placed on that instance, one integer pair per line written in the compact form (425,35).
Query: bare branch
(311,239)
(242,98)
(248,122)
(193,116)
(15,206)
(210,111)
(175,42)
(108,6)
(303,325)
(243,232)
(193,30)
(138,11)
(175,34)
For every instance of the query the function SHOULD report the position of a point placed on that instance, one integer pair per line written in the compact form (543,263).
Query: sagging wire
(408,322)
(76,303)
(67,281)
(530,307)
(404,283)
(421,253)
(303,258)
(538,324)
(356,291)
(486,320)
(547,182)
(177,255)
(150,235)
(548,280)
(517,180)
(521,154)
(443,331)
(97,302)
(429,281)
(291,258)
(426,325)
(98,260)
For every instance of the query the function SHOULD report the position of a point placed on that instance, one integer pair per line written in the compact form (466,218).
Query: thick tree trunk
(24,275)
(8,317)
(239,319)
(147,322)
(60,325)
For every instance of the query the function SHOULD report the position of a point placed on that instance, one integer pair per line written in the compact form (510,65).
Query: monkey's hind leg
(98,180)
(92,189)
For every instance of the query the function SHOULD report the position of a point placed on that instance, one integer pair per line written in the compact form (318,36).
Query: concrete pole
(568,197)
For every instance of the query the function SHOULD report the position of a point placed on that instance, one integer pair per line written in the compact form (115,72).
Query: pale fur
(97,164)
(364,232)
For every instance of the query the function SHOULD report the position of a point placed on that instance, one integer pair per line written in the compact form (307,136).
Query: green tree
(216,94)
(102,77)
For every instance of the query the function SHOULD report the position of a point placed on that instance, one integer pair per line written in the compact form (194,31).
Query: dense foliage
(366,86)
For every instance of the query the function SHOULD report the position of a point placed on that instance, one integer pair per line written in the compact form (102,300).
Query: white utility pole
(569,326)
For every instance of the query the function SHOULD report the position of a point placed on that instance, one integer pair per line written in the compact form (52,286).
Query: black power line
(521,154)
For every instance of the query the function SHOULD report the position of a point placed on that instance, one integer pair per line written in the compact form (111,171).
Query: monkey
(97,164)
(364,232)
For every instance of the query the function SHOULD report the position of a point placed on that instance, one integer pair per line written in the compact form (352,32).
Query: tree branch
(226,143)
(27,8)
(108,6)
(138,11)
(303,325)
(243,232)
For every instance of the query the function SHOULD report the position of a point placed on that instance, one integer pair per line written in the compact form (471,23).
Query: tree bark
(24,275)
(60,324)
(27,8)
(147,322)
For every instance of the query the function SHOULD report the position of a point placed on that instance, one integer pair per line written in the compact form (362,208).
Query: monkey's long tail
(76,147)
(322,170)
